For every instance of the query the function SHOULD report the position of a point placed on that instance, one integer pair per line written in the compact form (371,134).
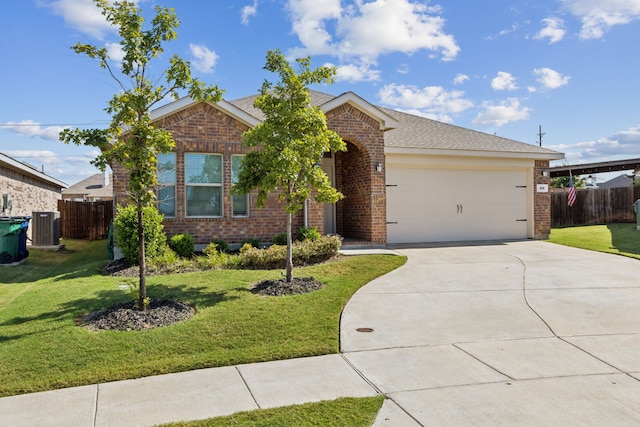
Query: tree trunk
(141,262)
(289,261)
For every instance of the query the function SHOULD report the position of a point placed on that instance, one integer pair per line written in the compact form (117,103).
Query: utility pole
(540,134)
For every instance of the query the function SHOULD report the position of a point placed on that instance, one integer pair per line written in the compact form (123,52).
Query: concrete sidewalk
(192,395)
(516,333)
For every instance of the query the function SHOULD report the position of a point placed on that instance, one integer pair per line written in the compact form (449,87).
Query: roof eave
(16,165)
(474,153)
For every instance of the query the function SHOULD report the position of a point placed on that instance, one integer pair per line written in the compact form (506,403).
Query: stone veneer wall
(28,194)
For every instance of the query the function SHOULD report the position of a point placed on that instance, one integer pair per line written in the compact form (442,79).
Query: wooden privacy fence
(594,206)
(85,220)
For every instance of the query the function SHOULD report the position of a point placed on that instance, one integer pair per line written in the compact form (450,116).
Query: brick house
(28,189)
(405,178)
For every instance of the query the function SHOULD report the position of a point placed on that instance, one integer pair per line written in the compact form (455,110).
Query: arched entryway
(353,177)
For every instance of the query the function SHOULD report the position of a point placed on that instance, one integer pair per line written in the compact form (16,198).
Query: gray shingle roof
(415,132)
(420,132)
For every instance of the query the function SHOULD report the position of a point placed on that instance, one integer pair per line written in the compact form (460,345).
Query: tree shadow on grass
(625,237)
(197,297)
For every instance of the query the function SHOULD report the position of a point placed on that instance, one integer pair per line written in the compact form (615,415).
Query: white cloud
(460,78)
(550,79)
(361,31)
(402,69)
(33,129)
(357,73)
(504,81)
(82,15)
(598,16)
(115,52)
(624,144)
(430,101)
(309,22)
(249,11)
(204,59)
(553,30)
(502,113)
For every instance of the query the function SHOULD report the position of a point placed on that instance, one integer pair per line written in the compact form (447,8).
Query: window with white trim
(203,184)
(166,192)
(240,202)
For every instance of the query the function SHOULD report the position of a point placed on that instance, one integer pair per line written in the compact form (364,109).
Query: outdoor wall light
(378,167)
(545,172)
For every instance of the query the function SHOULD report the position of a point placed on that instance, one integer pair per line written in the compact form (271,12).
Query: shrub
(246,247)
(126,231)
(307,252)
(182,244)
(315,251)
(308,233)
(253,241)
(280,239)
(221,245)
(213,257)
(263,259)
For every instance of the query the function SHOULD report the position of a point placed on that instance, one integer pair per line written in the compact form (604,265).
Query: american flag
(571,200)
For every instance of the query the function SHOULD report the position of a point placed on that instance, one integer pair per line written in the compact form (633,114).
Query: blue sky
(503,67)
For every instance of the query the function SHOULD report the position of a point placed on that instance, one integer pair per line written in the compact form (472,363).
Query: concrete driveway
(518,333)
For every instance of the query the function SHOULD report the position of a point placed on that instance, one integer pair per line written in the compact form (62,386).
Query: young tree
(563,182)
(290,141)
(132,140)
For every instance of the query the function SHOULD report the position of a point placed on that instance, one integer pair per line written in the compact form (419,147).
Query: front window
(203,177)
(240,201)
(167,184)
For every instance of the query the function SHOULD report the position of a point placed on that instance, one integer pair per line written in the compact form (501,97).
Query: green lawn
(619,239)
(41,300)
(347,412)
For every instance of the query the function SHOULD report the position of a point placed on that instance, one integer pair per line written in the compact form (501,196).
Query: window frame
(234,196)
(219,185)
(167,184)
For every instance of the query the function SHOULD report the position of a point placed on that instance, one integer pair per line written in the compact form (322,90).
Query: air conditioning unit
(46,228)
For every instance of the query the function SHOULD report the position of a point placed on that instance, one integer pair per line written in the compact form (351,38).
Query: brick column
(541,202)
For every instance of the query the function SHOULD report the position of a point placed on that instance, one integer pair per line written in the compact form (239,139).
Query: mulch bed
(280,287)
(125,317)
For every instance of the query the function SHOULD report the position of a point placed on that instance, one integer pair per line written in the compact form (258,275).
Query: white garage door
(440,205)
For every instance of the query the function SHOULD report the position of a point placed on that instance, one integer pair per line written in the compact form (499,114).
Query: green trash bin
(636,210)
(10,229)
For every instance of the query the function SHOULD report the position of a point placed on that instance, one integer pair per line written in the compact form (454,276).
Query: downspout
(306,213)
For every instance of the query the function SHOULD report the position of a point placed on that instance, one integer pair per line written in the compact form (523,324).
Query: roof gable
(224,106)
(386,121)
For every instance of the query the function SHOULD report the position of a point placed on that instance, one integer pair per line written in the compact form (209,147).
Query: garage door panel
(429,205)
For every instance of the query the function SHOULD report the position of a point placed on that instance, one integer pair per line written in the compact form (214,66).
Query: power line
(22,124)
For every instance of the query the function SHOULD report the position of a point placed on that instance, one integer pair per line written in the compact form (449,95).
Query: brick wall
(28,194)
(205,129)
(542,202)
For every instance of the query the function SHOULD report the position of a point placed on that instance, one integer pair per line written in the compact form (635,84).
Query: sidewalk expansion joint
(247,386)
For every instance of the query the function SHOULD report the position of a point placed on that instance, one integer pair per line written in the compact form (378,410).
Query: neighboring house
(27,189)
(405,178)
(617,182)
(96,187)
